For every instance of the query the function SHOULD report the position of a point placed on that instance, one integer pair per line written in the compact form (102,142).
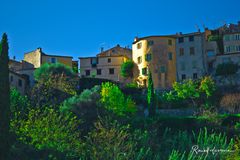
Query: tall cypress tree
(151,95)
(4,99)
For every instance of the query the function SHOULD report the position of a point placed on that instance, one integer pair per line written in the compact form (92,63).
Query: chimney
(14,57)
(102,49)
(118,45)
(39,49)
(135,39)
(199,30)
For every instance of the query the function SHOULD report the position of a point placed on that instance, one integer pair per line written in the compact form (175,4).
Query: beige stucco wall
(64,60)
(117,51)
(104,65)
(14,83)
(159,51)
(34,58)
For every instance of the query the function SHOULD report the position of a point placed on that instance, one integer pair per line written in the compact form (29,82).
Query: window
(181,51)
(183,66)
(211,53)
(169,42)
(139,45)
(94,62)
(53,60)
(111,70)
(192,50)
(170,56)
(139,59)
(148,57)
(191,38)
(238,37)
(150,43)
(109,60)
(195,75)
(183,76)
(144,71)
(194,64)
(11,78)
(163,69)
(181,40)
(87,72)
(238,48)
(113,51)
(19,82)
(227,49)
(99,71)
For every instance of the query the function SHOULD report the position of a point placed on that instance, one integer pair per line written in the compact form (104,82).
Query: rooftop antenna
(197,27)
(102,46)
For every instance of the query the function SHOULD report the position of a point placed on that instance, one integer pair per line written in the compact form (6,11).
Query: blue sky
(79,28)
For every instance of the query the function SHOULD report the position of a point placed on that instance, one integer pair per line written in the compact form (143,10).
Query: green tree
(56,82)
(52,70)
(187,90)
(110,141)
(4,99)
(151,95)
(114,100)
(19,104)
(47,128)
(207,86)
(127,69)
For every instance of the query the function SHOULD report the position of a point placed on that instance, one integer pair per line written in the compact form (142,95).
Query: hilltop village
(170,58)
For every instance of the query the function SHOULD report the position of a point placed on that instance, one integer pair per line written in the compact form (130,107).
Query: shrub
(85,106)
(114,100)
(226,69)
(52,91)
(109,140)
(18,104)
(230,102)
(127,69)
(48,129)
(52,70)
(207,86)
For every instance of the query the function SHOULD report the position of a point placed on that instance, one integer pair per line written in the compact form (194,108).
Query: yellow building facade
(37,58)
(104,67)
(157,54)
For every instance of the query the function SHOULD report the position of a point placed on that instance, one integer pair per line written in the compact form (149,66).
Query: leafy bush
(18,104)
(48,129)
(207,86)
(52,70)
(214,38)
(88,98)
(52,91)
(114,100)
(85,106)
(230,102)
(189,91)
(226,69)
(127,69)
(109,140)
